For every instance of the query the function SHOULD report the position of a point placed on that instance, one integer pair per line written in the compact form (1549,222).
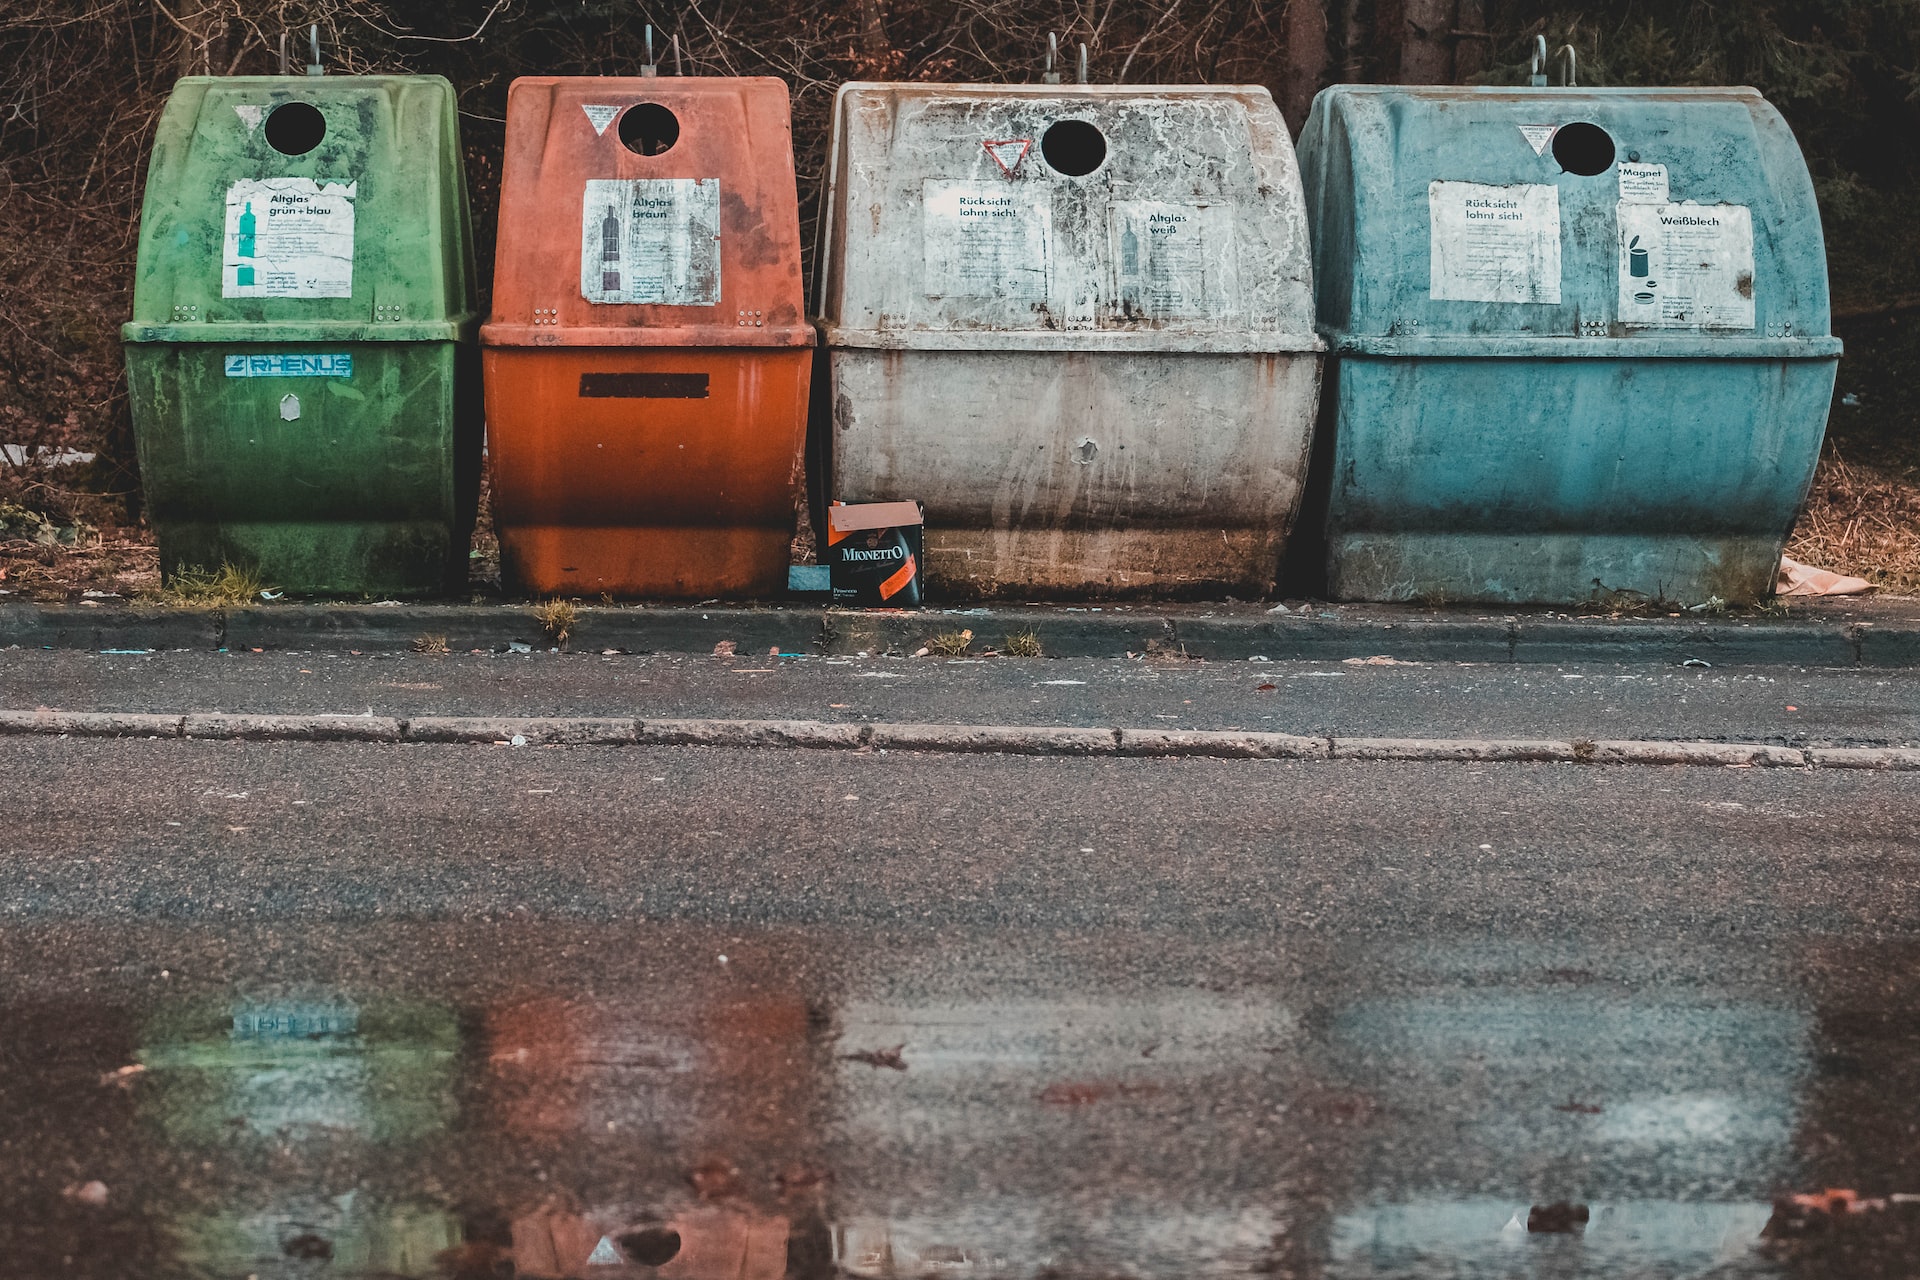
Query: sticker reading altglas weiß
(600,117)
(288,238)
(651,240)
(982,241)
(1173,261)
(1686,266)
(1494,244)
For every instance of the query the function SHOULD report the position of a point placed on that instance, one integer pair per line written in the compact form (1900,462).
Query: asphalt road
(291,1010)
(1789,706)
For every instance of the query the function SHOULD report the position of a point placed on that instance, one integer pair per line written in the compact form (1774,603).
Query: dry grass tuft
(950,644)
(557,618)
(229,584)
(1862,520)
(429,644)
(1023,644)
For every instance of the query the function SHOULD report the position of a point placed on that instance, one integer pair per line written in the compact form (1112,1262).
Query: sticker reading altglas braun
(1494,244)
(985,241)
(651,240)
(1686,266)
(288,238)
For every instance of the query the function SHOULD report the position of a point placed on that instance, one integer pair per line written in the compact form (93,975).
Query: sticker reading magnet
(1008,153)
(600,117)
(1643,183)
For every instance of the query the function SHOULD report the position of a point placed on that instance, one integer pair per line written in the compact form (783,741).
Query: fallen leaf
(724,649)
(880,1057)
(1265,688)
(124,1077)
(93,1193)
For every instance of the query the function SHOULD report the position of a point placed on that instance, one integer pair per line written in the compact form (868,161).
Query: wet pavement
(335,1010)
(1786,705)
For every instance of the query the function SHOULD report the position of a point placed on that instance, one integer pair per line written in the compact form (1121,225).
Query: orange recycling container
(647,358)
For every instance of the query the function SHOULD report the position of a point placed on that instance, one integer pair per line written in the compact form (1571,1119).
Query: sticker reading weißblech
(1174,261)
(651,240)
(288,238)
(1686,266)
(982,241)
(1494,244)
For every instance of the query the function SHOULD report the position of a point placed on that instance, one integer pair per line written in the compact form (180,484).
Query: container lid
(1563,222)
(283,208)
(1063,217)
(648,212)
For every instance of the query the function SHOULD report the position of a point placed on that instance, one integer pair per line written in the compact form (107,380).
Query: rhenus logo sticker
(289,365)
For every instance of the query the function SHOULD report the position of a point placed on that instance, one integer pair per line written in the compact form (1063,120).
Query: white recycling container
(1076,323)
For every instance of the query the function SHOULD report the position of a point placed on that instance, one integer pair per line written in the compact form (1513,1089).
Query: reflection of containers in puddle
(1640,1096)
(345,1235)
(1489,1236)
(703,1243)
(1013,1140)
(301,1068)
(711,1074)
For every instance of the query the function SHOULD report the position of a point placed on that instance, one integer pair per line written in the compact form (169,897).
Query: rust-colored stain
(647,447)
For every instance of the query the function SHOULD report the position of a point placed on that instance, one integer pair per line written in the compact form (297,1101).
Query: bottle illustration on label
(610,250)
(244,275)
(1129,253)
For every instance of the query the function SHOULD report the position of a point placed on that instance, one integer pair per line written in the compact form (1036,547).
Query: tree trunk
(873,29)
(1426,42)
(1471,51)
(1306,59)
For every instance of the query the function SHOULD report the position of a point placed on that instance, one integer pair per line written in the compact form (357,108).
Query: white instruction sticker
(651,240)
(1643,183)
(1173,261)
(1538,136)
(1494,244)
(984,241)
(250,115)
(600,117)
(1686,266)
(288,238)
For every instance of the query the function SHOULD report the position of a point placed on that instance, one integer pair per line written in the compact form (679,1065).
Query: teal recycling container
(1580,342)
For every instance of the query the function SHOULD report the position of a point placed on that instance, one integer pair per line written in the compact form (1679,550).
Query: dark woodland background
(82,82)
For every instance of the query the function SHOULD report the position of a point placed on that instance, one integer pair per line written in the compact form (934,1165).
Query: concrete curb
(1217,633)
(944,739)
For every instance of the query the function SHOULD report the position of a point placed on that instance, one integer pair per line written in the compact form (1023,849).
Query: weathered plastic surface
(307,402)
(647,381)
(1615,435)
(1083,407)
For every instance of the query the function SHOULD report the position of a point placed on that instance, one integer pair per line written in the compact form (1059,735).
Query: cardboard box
(873,553)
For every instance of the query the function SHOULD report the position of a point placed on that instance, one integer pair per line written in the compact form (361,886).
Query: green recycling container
(301,363)
(1580,343)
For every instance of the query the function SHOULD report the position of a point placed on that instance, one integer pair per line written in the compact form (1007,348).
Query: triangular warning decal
(1538,136)
(1008,153)
(600,117)
(605,1255)
(250,115)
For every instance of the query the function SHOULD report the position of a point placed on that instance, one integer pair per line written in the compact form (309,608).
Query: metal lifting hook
(1537,72)
(1053,53)
(1572,81)
(313,39)
(650,67)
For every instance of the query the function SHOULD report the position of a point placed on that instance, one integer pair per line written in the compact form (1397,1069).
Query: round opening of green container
(649,129)
(295,128)
(1074,147)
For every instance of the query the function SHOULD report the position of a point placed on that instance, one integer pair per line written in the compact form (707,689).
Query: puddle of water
(602,1107)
